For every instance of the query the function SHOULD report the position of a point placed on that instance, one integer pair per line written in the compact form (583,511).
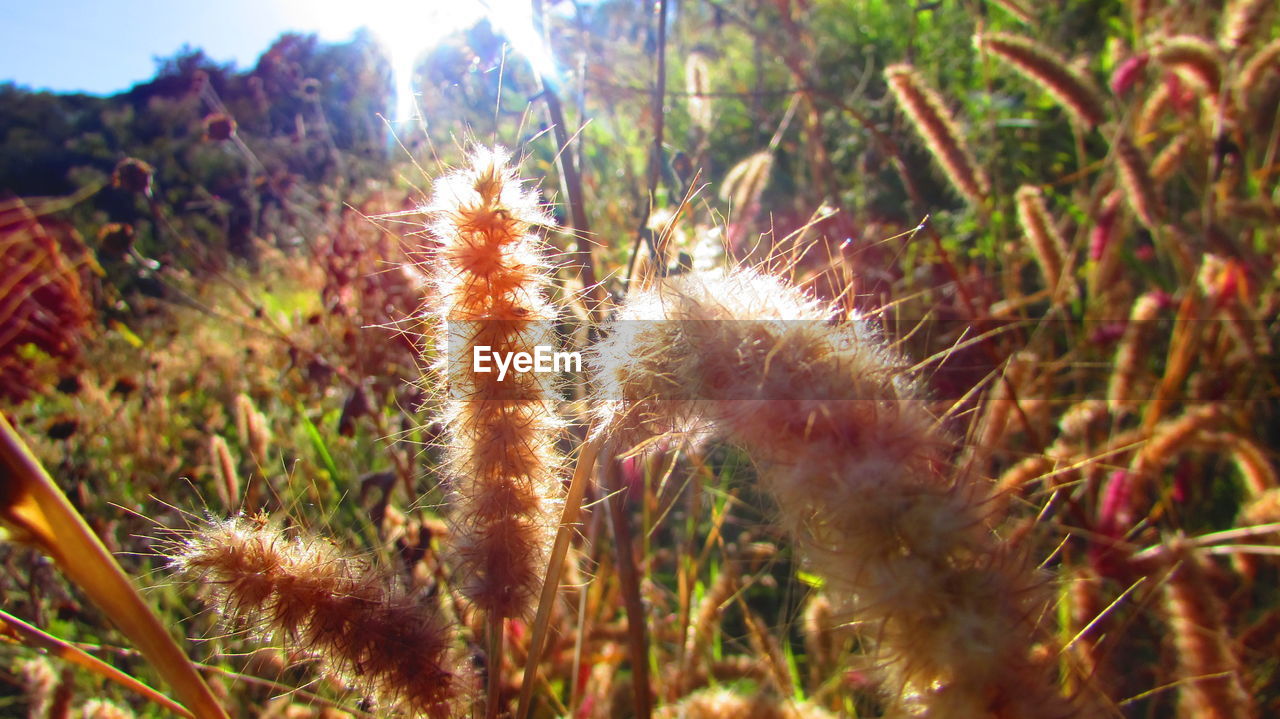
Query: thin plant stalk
(494,629)
(555,566)
(569,174)
(629,585)
(643,234)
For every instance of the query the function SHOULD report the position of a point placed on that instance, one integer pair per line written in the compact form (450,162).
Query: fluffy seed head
(133,175)
(1172,437)
(1153,111)
(1262,509)
(1250,459)
(1265,60)
(1046,242)
(1170,158)
(936,126)
(99,709)
(1194,58)
(226,479)
(856,463)
(503,467)
(1131,352)
(1212,685)
(1128,72)
(1240,21)
(724,704)
(1135,178)
(1076,93)
(323,603)
(1104,226)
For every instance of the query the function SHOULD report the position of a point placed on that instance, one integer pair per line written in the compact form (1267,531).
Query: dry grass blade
(33,504)
(555,565)
(33,637)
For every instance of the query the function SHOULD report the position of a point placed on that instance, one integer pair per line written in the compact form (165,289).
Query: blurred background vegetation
(207,305)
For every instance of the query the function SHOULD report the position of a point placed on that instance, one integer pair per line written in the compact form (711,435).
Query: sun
(404,28)
(407,28)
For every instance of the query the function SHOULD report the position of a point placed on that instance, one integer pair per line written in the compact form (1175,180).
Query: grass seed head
(935,124)
(724,704)
(1046,242)
(1241,21)
(1194,58)
(1212,685)
(1046,68)
(504,469)
(1135,179)
(101,709)
(330,606)
(846,445)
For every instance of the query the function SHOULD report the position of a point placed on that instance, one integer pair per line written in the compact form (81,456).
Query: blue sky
(105,46)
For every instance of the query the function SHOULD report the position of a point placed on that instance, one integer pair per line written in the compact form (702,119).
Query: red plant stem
(629,581)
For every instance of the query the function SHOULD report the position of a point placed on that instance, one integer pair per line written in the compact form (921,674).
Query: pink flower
(1127,73)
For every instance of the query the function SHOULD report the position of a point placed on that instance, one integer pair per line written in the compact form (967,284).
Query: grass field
(928,369)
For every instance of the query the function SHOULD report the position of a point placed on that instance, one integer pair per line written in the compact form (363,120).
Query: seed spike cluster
(100,709)
(1076,93)
(318,601)
(1262,62)
(503,465)
(1241,21)
(856,462)
(1171,158)
(1153,111)
(1135,179)
(1047,244)
(1122,388)
(1212,687)
(935,124)
(1194,58)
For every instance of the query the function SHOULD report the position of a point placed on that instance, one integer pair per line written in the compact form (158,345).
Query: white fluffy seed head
(844,441)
